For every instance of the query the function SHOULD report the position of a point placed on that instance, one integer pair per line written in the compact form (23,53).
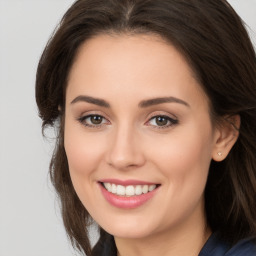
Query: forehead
(133,64)
(125,51)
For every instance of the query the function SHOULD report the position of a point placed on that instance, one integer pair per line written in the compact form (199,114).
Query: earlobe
(226,135)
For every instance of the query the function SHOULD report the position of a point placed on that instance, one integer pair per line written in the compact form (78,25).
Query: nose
(125,149)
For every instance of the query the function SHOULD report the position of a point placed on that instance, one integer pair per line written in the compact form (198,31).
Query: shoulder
(215,247)
(243,248)
(105,246)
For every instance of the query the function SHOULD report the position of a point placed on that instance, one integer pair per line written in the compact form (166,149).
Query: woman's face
(137,120)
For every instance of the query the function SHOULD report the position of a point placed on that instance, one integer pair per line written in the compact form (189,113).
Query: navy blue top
(213,247)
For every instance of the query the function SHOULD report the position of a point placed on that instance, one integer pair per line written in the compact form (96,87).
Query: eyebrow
(142,104)
(92,100)
(156,101)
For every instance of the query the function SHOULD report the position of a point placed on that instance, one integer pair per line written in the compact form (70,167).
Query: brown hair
(216,45)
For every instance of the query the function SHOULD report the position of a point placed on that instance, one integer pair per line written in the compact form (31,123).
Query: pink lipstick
(127,194)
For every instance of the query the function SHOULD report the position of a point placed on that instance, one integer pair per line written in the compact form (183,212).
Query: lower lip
(127,202)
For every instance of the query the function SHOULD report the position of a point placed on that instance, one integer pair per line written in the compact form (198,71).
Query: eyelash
(82,120)
(171,121)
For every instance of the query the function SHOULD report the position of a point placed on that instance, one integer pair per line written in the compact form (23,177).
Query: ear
(226,135)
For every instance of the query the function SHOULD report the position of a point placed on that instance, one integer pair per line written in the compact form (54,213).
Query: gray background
(30,222)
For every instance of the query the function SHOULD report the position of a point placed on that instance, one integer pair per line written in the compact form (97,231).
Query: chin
(128,229)
(130,233)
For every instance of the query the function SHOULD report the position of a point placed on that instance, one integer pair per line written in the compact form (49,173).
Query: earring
(219,154)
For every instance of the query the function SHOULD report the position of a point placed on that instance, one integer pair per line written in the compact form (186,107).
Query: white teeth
(120,190)
(151,187)
(129,190)
(138,190)
(145,189)
(113,189)
(108,187)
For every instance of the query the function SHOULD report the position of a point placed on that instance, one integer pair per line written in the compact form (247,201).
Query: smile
(129,190)
(127,194)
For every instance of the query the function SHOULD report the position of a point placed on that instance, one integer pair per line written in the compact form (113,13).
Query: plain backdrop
(30,222)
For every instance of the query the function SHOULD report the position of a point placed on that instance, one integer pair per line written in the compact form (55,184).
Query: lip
(127,202)
(126,182)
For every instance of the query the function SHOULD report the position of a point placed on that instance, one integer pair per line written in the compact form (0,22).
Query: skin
(125,70)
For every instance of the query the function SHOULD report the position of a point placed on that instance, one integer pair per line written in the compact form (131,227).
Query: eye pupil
(161,121)
(96,119)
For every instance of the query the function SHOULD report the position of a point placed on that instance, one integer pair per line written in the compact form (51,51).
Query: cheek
(83,153)
(184,161)
(82,148)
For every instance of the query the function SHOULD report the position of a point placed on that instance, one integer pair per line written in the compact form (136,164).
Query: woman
(155,105)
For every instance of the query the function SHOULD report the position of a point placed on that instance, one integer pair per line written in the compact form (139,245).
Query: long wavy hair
(214,41)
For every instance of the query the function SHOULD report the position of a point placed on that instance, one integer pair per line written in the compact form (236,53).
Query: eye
(162,121)
(93,120)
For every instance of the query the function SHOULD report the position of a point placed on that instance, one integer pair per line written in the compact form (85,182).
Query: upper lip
(127,182)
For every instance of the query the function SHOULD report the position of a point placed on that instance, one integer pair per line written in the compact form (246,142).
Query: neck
(186,239)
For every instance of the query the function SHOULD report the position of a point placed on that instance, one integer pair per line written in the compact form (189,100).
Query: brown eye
(96,120)
(93,121)
(162,121)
